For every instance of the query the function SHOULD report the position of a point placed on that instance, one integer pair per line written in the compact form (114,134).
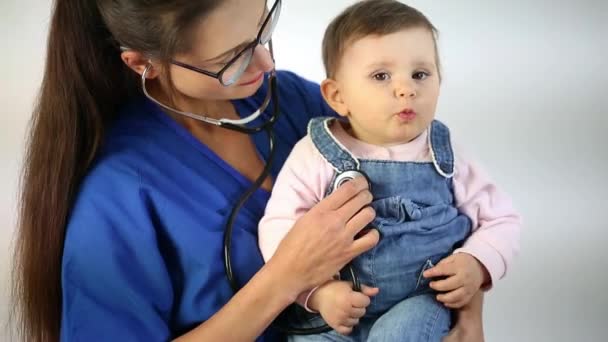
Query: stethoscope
(241,126)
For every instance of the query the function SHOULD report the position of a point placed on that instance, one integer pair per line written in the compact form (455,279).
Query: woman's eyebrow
(243,44)
(227,53)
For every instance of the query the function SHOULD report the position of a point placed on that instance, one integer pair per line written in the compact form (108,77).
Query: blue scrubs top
(143,254)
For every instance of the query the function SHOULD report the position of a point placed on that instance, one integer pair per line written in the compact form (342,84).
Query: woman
(125,201)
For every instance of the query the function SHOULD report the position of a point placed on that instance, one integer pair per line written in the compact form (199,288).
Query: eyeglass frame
(251,46)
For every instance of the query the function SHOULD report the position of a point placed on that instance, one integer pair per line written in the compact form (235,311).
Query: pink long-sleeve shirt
(306,175)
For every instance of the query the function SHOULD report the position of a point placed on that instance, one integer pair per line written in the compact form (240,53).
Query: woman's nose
(261,60)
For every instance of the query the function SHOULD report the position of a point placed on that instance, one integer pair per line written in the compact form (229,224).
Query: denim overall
(419,225)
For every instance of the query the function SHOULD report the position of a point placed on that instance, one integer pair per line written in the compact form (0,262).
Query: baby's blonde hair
(370,17)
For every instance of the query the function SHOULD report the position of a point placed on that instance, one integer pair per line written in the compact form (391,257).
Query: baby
(446,230)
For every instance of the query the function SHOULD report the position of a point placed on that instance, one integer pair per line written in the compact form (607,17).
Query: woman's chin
(245,91)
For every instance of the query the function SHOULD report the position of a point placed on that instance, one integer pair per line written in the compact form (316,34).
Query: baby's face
(390,85)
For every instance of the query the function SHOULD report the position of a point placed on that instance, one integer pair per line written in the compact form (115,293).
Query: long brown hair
(84,83)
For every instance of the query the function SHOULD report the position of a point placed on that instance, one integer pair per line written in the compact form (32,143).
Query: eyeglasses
(234,69)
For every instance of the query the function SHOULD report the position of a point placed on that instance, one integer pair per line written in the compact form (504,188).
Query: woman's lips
(259,77)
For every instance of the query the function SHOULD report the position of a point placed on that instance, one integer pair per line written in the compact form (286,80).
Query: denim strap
(441,149)
(329,147)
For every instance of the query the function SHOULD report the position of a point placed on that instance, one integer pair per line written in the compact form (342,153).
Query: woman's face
(216,39)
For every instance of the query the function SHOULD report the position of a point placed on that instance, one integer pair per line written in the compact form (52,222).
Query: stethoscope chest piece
(349,175)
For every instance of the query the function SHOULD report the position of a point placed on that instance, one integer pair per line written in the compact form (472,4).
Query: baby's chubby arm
(488,253)
(299,186)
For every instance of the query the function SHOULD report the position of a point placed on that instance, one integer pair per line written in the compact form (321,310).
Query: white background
(525,90)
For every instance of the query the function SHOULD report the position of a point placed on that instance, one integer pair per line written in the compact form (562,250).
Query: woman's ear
(330,89)
(138,62)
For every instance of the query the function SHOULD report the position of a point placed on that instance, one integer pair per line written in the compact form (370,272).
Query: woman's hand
(323,240)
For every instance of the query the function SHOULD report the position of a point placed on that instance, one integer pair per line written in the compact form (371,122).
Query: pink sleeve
(495,223)
(300,185)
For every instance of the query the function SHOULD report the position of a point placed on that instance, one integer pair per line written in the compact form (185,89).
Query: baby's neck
(352,131)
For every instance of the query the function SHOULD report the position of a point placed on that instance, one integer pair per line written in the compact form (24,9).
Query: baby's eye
(420,75)
(381,76)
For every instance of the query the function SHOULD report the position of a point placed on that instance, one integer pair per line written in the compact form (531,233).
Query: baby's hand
(340,305)
(464,277)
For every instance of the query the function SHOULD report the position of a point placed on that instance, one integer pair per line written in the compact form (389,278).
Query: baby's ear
(330,89)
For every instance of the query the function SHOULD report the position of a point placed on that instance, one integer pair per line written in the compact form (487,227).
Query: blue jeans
(416,319)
